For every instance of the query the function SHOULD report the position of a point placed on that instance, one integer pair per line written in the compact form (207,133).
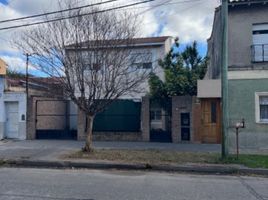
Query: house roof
(150,40)
(146,41)
(33,81)
(247,2)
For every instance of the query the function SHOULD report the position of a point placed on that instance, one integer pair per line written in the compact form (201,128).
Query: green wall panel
(121,116)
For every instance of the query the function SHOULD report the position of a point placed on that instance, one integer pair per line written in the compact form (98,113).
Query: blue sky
(189,20)
(5,2)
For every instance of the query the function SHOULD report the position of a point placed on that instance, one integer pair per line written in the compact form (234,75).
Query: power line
(91,5)
(181,11)
(168,2)
(80,15)
(55,12)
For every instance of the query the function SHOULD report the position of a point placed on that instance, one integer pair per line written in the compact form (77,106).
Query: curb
(200,169)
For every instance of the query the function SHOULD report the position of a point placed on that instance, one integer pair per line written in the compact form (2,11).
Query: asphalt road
(42,184)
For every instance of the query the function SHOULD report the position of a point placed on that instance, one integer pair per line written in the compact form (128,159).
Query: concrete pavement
(52,149)
(37,184)
(47,154)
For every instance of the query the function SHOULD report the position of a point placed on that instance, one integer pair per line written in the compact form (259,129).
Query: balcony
(259,53)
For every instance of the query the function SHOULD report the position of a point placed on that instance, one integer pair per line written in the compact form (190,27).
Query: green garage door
(121,116)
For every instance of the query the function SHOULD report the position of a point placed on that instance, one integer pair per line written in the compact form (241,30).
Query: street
(39,184)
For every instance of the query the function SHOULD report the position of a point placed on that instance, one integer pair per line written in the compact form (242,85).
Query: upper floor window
(142,60)
(91,60)
(260,43)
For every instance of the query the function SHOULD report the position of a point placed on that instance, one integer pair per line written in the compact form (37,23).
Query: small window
(264,108)
(213,112)
(141,60)
(156,115)
(147,65)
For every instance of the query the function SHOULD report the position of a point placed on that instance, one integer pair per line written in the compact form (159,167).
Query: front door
(185,126)
(12,120)
(211,120)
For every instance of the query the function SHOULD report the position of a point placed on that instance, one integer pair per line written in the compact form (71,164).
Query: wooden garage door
(211,121)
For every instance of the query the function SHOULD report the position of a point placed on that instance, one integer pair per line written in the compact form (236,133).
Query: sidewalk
(52,149)
(46,154)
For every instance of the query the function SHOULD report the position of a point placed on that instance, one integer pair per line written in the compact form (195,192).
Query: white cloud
(190,20)
(29,7)
(5,35)
(16,63)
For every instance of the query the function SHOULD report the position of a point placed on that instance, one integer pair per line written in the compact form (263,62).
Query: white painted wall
(210,88)
(19,97)
(158,52)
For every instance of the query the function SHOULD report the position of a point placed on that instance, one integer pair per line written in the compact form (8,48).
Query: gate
(160,121)
(120,116)
(53,120)
(185,126)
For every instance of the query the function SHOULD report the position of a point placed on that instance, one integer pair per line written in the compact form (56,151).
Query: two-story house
(125,118)
(247,76)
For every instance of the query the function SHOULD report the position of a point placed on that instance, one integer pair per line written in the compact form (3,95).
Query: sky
(189,20)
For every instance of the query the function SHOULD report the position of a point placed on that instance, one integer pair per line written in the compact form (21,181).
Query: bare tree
(93,55)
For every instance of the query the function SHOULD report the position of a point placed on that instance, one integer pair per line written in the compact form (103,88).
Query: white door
(12,120)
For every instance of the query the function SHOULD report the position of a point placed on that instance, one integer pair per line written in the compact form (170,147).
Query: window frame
(258,109)
(259,48)
(137,60)
(153,114)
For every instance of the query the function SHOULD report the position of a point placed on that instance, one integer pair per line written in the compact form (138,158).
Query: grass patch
(146,156)
(253,161)
(168,157)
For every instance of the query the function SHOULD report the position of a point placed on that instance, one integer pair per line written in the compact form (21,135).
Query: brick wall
(117,136)
(181,104)
(145,119)
(197,121)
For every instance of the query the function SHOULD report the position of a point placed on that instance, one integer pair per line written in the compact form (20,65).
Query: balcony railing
(259,53)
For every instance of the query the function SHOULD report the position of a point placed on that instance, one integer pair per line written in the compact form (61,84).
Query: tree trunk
(89,130)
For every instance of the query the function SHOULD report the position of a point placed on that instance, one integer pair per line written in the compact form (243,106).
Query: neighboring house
(35,116)
(247,75)
(12,109)
(209,89)
(49,114)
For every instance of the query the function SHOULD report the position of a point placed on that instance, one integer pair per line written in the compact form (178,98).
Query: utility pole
(27,85)
(27,75)
(224,77)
